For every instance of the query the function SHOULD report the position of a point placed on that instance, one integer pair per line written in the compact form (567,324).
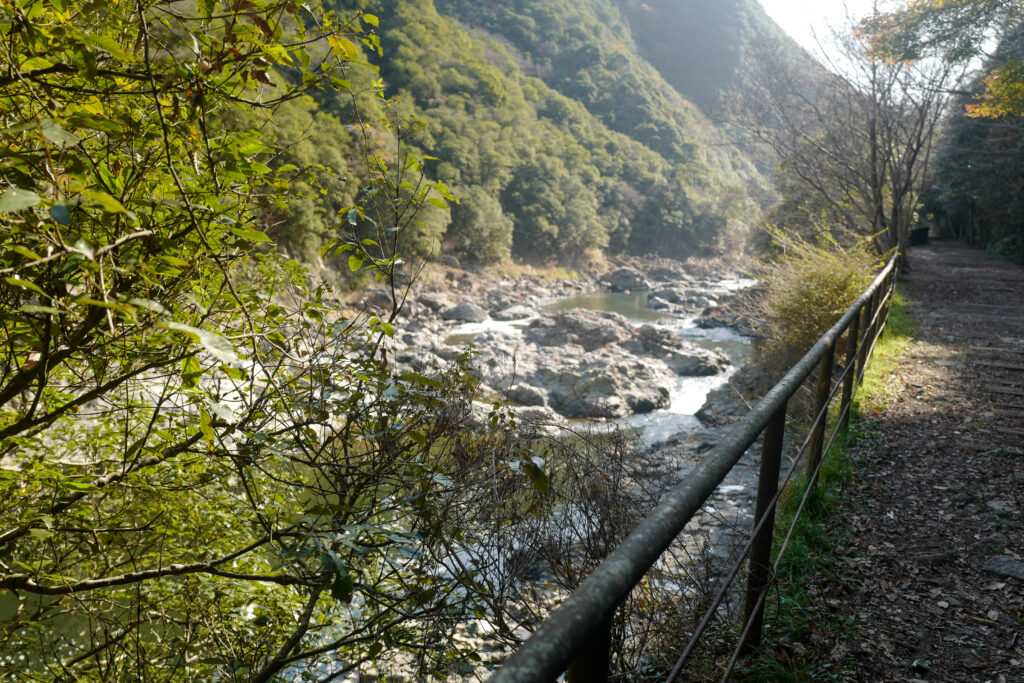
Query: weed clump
(808,286)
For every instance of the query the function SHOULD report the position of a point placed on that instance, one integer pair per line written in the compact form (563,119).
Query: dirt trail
(929,564)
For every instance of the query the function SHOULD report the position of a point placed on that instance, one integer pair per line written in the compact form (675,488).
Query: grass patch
(800,628)
(876,389)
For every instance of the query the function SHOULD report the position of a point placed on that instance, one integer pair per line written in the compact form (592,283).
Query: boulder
(625,279)
(607,383)
(694,361)
(527,395)
(378,296)
(667,273)
(589,329)
(502,361)
(672,294)
(723,406)
(517,312)
(435,301)
(466,312)
(683,358)
(658,304)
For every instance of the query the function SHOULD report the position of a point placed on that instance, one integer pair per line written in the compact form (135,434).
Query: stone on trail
(1005,565)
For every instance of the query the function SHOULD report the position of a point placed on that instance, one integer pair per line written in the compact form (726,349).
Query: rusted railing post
(759,573)
(820,410)
(852,340)
(592,659)
(867,338)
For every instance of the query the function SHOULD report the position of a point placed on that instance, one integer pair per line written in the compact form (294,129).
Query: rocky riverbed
(545,346)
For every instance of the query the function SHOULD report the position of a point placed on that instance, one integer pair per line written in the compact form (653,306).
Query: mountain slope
(558,135)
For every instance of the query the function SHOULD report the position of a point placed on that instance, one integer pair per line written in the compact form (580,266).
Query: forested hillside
(552,128)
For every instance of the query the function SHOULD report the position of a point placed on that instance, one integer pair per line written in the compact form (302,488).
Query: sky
(800,18)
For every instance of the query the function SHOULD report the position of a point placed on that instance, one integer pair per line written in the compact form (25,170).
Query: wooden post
(867,337)
(853,340)
(590,665)
(820,411)
(761,550)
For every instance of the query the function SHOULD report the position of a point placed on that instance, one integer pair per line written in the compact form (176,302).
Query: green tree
(208,471)
(480,230)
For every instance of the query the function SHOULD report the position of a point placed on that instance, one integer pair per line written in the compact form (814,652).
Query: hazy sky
(800,18)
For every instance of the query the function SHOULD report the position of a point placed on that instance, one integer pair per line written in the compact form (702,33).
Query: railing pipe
(553,646)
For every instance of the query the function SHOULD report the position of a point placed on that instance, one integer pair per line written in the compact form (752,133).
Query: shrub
(807,288)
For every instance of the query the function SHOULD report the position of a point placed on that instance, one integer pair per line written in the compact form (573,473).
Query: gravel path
(929,563)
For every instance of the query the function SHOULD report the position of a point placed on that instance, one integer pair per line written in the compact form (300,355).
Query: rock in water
(467,312)
(626,279)
(609,382)
(516,312)
(589,329)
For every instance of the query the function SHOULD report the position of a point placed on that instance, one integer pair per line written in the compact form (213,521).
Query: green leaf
(342,587)
(355,262)
(223,411)
(24,284)
(149,305)
(78,486)
(343,48)
(218,346)
(16,199)
(106,202)
(250,234)
(206,426)
(414,377)
(536,475)
(371,20)
(32,308)
(61,213)
(26,252)
(191,371)
(94,122)
(109,45)
(56,134)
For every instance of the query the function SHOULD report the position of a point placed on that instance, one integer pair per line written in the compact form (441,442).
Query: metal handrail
(576,634)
